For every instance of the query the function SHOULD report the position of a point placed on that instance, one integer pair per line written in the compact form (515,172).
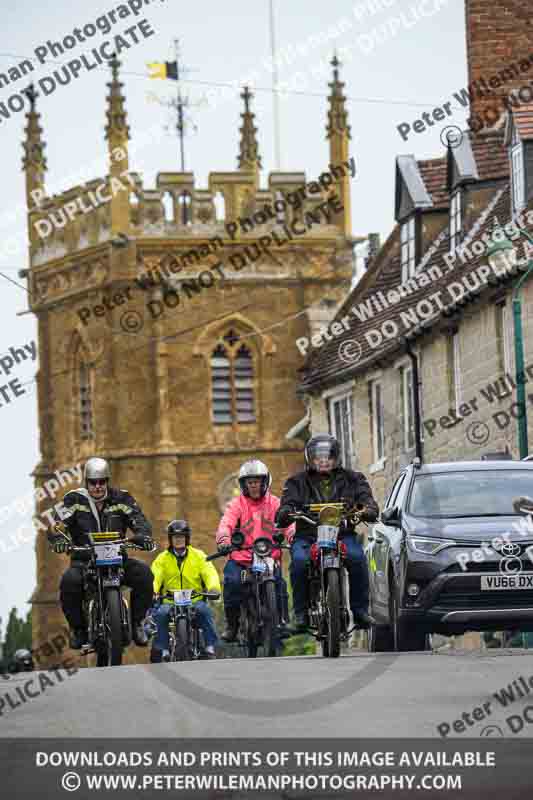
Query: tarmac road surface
(359,695)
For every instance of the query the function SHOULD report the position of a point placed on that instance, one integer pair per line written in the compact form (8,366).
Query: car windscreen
(470,493)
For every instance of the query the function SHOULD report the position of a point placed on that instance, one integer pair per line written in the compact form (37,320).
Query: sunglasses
(98,481)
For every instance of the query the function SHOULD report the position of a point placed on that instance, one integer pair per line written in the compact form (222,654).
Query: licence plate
(490,583)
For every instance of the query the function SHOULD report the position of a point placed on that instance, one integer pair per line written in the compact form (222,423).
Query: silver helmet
(255,469)
(96,468)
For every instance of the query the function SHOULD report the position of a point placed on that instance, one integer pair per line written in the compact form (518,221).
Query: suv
(452,553)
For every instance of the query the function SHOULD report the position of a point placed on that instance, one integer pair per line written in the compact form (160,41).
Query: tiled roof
(523,119)
(433,172)
(351,353)
(491,156)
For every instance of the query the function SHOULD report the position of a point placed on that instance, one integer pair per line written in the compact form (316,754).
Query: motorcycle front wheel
(249,623)
(270,619)
(181,648)
(331,644)
(109,653)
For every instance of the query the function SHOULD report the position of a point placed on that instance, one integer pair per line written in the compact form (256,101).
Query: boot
(78,638)
(232,624)
(139,634)
(363,620)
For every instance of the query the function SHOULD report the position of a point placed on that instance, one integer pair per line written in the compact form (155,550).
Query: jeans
(355,564)
(204,617)
(233,588)
(137,575)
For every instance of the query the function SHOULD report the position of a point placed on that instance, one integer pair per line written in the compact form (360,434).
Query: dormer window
(408,248)
(456,221)
(517,172)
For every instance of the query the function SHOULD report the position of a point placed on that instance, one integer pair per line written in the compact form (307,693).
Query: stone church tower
(179,378)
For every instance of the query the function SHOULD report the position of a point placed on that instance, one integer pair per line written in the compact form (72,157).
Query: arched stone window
(85,401)
(232,382)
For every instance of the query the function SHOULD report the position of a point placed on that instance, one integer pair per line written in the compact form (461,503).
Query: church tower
(167,327)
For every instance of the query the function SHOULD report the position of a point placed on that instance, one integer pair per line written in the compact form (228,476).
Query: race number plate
(107,555)
(523,580)
(259,564)
(327,535)
(330,561)
(183,597)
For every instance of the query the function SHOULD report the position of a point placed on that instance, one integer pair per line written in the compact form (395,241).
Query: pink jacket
(256,520)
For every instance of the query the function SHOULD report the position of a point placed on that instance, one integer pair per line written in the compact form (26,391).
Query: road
(360,695)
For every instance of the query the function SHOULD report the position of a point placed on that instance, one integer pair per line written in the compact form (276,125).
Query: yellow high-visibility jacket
(193,573)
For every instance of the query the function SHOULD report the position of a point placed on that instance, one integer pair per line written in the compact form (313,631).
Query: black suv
(452,553)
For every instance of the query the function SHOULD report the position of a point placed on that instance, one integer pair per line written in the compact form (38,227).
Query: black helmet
(179,527)
(321,445)
(23,661)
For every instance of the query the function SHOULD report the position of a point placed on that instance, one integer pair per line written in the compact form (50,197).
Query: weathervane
(171,70)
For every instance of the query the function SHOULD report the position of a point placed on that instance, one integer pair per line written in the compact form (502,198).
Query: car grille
(502,599)
(485,566)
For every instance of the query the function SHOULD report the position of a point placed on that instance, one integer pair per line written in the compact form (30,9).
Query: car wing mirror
(392,516)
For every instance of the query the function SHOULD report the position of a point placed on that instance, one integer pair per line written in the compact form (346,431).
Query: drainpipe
(416,401)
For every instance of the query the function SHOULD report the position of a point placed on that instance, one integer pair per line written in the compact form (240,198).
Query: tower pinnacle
(338,133)
(117,133)
(34,160)
(249,158)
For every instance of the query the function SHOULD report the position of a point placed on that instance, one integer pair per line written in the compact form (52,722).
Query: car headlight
(423,544)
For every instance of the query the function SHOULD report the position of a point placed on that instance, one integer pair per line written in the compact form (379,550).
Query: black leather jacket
(303,488)
(120,512)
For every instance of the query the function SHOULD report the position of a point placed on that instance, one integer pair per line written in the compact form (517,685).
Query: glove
(60,546)
(145,542)
(224,548)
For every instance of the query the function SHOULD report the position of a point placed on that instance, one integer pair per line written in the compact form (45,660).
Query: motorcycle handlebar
(86,548)
(249,548)
(214,595)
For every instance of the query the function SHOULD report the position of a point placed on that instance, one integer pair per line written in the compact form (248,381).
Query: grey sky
(423,63)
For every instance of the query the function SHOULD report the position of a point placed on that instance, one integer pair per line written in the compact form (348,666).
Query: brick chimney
(499,35)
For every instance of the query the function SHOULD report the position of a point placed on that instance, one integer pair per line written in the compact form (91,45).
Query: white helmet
(255,469)
(96,468)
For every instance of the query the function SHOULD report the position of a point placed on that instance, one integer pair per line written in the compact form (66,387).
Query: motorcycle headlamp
(263,546)
(429,546)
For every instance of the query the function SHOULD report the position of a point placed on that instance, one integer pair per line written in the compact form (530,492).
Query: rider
(183,567)
(324,481)
(22,661)
(253,511)
(89,509)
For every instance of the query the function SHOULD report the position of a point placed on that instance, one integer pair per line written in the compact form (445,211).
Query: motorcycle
(105,610)
(259,623)
(185,635)
(329,615)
